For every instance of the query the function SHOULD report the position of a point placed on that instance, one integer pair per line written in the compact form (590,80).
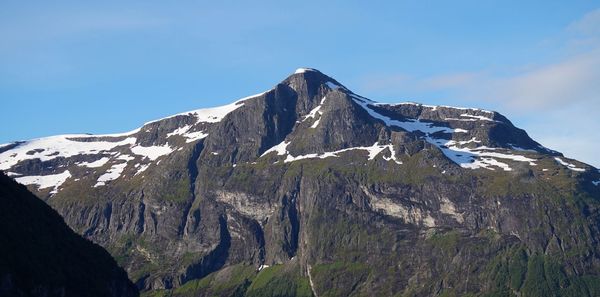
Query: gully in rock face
(311,189)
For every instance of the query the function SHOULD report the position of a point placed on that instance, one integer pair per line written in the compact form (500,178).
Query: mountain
(41,256)
(310,189)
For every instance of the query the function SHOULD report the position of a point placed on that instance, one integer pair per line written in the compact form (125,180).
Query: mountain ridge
(326,187)
(216,114)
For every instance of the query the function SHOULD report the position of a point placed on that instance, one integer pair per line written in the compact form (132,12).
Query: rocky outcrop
(345,195)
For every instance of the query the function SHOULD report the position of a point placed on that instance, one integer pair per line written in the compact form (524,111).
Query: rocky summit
(309,189)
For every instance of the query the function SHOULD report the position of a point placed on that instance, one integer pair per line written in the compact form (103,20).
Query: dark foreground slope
(337,194)
(41,256)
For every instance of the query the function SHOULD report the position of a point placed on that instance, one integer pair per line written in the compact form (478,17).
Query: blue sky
(69,67)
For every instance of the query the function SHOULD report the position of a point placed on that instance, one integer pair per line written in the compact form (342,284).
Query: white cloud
(574,80)
(558,102)
(588,25)
(571,81)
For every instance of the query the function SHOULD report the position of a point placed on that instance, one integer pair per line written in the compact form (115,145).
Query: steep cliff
(338,194)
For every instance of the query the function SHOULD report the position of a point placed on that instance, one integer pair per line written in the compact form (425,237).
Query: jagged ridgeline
(310,189)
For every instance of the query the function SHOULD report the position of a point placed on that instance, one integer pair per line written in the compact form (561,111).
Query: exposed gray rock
(375,199)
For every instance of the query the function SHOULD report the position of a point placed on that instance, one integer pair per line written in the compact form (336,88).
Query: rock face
(337,194)
(41,256)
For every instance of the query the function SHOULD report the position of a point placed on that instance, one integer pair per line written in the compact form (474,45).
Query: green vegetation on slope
(243,280)
(537,275)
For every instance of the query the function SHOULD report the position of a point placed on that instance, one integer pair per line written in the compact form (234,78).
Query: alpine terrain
(309,189)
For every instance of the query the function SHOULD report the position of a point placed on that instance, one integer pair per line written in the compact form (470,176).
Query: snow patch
(281,149)
(125,158)
(141,168)
(313,113)
(303,70)
(486,163)
(190,136)
(392,157)
(49,148)
(115,171)
(315,124)
(568,165)
(410,125)
(179,131)
(116,134)
(45,181)
(475,158)
(111,174)
(95,164)
(373,151)
(465,157)
(193,136)
(152,152)
(482,118)
(216,114)
(463,142)
(213,114)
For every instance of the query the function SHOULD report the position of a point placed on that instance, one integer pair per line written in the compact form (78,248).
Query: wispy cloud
(567,90)
(588,25)
(574,79)
(571,81)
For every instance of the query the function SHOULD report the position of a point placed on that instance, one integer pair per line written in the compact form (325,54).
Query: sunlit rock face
(338,193)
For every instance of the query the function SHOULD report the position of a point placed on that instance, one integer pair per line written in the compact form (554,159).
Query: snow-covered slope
(109,154)
(471,138)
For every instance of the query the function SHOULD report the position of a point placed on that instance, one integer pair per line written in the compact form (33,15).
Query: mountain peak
(308,81)
(304,69)
(256,181)
(310,111)
(311,75)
